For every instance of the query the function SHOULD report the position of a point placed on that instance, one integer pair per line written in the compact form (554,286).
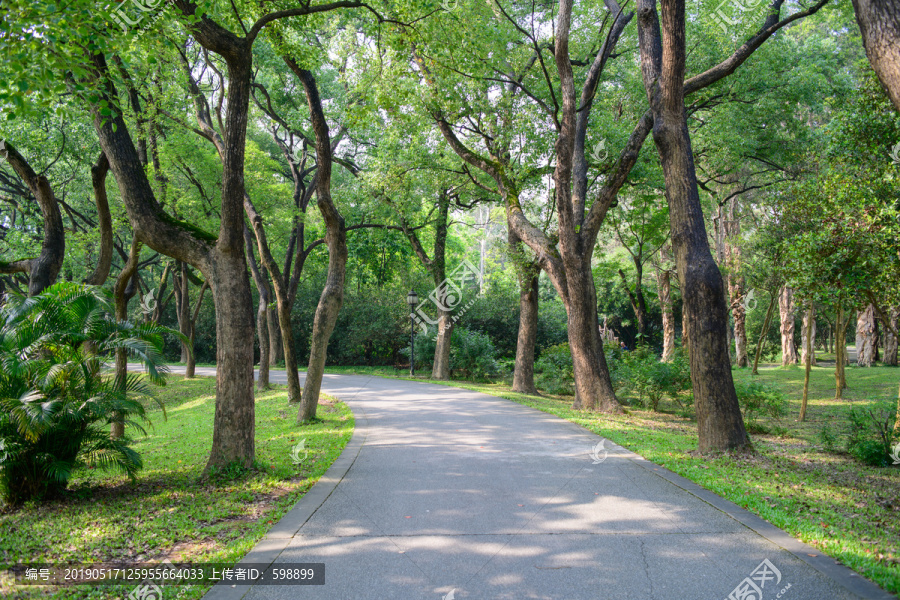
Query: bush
(641,373)
(871,433)
(554,371)
(56,405)
(760,399)
(473,353)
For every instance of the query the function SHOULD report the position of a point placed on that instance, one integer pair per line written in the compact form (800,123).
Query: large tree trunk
(809,328)
(664,287)
(786,310)
(879,23)
(43,270)
(336,240)
(890,339)
(719,420)
(441,367)
(866,338)
(593,386)
(523,374)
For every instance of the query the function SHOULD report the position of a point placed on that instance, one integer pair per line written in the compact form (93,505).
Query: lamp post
(412,298)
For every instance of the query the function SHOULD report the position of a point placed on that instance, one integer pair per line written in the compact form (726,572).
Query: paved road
(445,490)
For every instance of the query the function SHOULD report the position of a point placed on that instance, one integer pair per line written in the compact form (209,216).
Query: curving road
(448,493)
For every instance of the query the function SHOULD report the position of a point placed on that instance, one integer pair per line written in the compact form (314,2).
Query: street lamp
(412,298)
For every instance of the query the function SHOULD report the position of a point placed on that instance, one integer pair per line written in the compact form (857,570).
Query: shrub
(56,404)
(473,353)
(642,374)
(554,371)
(871,433)
(760,399)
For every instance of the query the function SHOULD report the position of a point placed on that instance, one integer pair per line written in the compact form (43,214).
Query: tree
(42,270)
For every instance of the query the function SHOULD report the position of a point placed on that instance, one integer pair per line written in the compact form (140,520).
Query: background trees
(506,136)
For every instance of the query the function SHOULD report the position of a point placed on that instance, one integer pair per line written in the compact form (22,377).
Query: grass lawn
(169,513)
(829,500)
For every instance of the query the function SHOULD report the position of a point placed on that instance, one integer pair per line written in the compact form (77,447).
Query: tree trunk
(809,328)
(809,353)
(99,172)
(336,240)
(719,420)
(221,259)
(183,309)
(262,327)
(593,386)
(732,229)
(765,331)
(441,367)
(638,302)
(664,286)
(890,339)
(879,23)
(866,338)
(276,344)
(43,270)
(786,310)
(523,374)
(840,352)
(123,290)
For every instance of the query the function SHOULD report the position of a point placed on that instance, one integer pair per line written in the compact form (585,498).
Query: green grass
(845,509)
(170,512)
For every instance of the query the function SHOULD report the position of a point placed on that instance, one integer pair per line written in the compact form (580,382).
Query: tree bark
(840,352)
(527,276)
(890,339)
(638,302)
(664,287)
(866,338)
(808,355)
(262,326)
(786,311)
(336,240)
(879,23)
(732,228)
(104,222)
(43,270)
(123,290)
(809,328)
(719,419)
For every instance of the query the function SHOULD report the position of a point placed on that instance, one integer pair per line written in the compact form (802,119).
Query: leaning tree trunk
(866,338)
(336,240)
(879,23)
(523,374)
(786,310)
(809,328)
(664,286)
(890,337)
(43,270)
(262,327)
(719,420)
(276,345)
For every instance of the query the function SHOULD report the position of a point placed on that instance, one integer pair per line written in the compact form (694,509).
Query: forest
(619,206)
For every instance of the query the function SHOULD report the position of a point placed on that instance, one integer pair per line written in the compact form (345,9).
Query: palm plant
(56,398)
